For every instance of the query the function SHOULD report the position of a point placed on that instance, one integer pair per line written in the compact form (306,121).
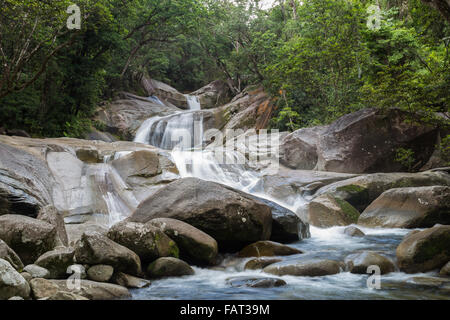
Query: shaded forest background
(321,59)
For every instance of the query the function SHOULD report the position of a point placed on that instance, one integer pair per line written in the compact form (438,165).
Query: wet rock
(366,141)
(95,290)
(353,232)
(327,211)
(100,273)
(260,263)
(425,250)
(311,268)
(417,207)
(75,231)
(28,237)
(169,267)
(147,241)
(360,262)
(36,271)
(361,191)
(11,282)
(57,261)
(231,217)
(129,281)
(95,248)
(254,282)
(9,255)
(445,270)
(194,244)
(286,225)
(50,215)
(267,248)
(214,94)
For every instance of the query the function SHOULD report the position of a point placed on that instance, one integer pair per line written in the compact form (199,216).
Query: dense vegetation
(320,58)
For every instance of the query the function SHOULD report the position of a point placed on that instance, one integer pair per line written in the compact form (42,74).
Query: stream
(211,283)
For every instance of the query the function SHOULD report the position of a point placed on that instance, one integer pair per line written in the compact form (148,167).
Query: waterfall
(193,102)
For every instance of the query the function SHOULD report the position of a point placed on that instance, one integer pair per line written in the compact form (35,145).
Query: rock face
(94,248)
(361,191)
(286,225)
(11,282)
(327,211)
(366,141)
(312,268)
(231,217)
(268,249)
(8,254)
(194,244)
(425,250)
(57,261)
(28,237)
(169,267)
(419,207)
(147,241)
(359,262)
(95,290)
(299,149)
(213,95)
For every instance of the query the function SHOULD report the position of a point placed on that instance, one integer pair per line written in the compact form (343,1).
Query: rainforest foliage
(320,58)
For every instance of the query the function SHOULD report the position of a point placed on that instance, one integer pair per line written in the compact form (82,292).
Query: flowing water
(331,243)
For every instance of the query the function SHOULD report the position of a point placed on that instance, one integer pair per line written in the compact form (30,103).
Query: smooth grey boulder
(36,271)
(260,263)
(9,255)
(255,282)
(147,241)
(94,248)
(360,262)
(100,273)
(194,244)
(169,267)
(416,207)
(28,237)
(57,261)
(231,217)
(424,250)
(353,232)
(11,282)
(309,268)
(128,281)
(267,249)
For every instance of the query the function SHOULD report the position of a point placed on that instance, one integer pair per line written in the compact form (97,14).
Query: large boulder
(8,254)
(28,237)
(100,273)
(267,249)
(286,225)
(164,92)
(298,150)
(360,262)
(213,95)
(57,261)
(147,241)
(11,282)
(169,267)
(327,211)
(95,248)
(260,263)
(194,244)
(420,207)
(366,141)
(361,191)
(309,268)
(50,215)
(424,250)
(94,290)
(229,216)
(36,271)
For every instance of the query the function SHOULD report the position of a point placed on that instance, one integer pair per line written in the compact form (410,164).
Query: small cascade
(193,102)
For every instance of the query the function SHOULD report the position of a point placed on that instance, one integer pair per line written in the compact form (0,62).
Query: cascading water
(193,102)
(208,164)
